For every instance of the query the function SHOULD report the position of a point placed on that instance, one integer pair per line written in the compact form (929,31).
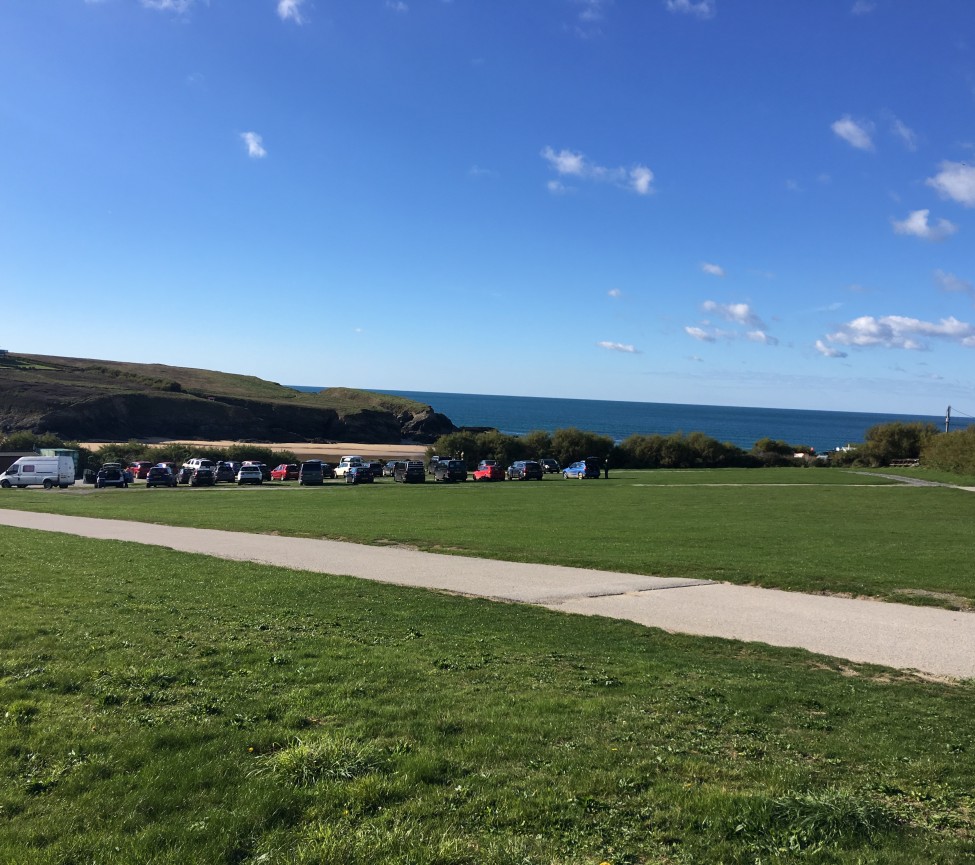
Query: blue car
(587,468)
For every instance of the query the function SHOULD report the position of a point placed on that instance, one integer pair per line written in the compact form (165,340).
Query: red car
(488,470)
(140,469)
(285,472)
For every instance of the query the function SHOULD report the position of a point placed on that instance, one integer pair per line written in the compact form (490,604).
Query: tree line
(952,452)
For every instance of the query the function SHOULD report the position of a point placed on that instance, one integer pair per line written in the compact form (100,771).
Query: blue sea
(517,415)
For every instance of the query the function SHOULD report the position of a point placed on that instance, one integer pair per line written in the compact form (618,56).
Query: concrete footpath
(931,641)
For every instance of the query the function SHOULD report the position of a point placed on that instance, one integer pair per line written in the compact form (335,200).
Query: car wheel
(5,484)
(48,483)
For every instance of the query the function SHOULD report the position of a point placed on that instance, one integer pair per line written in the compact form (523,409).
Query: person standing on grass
(606,468)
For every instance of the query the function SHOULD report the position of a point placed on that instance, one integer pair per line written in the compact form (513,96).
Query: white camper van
(347,463)
(39,471)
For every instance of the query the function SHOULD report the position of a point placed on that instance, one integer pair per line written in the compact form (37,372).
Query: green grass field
(811,530)
(169,708)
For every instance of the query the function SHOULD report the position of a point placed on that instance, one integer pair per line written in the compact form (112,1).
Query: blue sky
(763,203)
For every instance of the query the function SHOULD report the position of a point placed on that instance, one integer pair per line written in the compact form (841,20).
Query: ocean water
(741,426)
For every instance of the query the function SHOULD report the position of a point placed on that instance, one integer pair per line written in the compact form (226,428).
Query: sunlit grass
(157,706)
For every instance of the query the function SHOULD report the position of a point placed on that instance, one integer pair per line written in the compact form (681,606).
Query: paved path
(936,642)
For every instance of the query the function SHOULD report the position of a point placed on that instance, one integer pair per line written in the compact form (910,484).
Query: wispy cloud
(176,6)
(699,333)
(568,163)
(898,331)
(712,269)
(614,292)
(477,171)
(956,181)
(701,9)
(749,325)
(828,350)
(254,144)
(397,6)
(618,346)
(916,225)
(290,10)
(737,313)
(853,132)
(863,7)
(950,282)
(904,132)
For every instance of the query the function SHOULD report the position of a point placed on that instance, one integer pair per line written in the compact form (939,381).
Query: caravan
(39,471)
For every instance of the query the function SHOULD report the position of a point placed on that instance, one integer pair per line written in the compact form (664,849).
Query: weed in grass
(304,763)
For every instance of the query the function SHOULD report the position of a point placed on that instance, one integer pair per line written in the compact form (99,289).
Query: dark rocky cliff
(91,400)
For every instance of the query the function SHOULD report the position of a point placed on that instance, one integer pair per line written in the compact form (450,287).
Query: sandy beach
(330,452)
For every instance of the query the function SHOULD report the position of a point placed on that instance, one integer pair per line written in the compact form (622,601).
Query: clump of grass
(330,758)
(813,821)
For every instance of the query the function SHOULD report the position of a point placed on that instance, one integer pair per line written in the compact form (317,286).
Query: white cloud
(397,6)
(898,331)
(916,225)
(827,350)
(863,7)
(591,11)
(762,337)
(713,269)
(738,313)
(177,6)
(853,132)
(618,346)
(568,163)
(557,187)
(565,161)
(701,334)
(614,292)
(290,10)
(254,144)
(956,181)
(702,9)
(950,282)
(640,179)
(904,133)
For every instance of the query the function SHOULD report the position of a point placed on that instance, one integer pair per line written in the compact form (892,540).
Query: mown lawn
(169,708)
(811,530)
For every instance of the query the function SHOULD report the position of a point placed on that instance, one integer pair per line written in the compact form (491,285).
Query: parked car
(285,472)
(185,474)
(410,472)
(359,475)
(587,468)
(550,466)
(111,475)
(173,468)
(524,470)
(139,469)
(450,470)
(249,474)
(224,473)
(310,474)
(376,466)
(199,462)
(432,465)
(346,463)
(265,471)
(160,476)
(488,470)
(328,471)
(202,477)
(389,468)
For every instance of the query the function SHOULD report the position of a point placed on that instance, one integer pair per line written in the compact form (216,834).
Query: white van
(346,463)
(39,471)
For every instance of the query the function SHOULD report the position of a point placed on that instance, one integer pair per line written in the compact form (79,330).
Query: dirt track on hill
(932,641)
